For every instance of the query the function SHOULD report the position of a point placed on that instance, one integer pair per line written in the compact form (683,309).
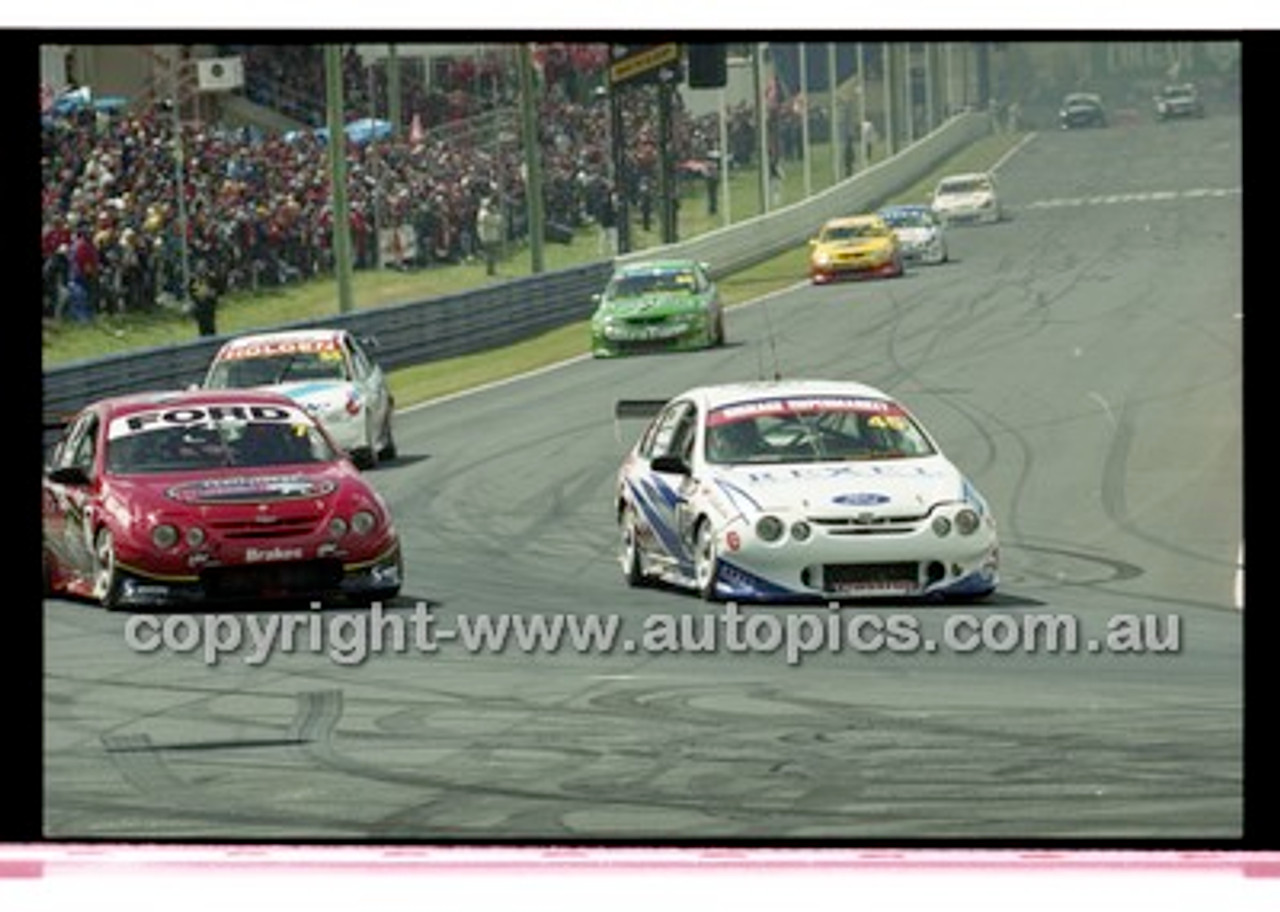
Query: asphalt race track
(1081,360)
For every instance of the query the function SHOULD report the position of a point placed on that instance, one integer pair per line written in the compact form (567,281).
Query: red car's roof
(116,406)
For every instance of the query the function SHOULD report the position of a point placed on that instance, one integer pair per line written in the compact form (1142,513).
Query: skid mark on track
(742,760)
(146,770)
(1115,498)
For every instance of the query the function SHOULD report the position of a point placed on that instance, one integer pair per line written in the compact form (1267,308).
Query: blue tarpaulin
(82,98)
(358,131)
(361,131)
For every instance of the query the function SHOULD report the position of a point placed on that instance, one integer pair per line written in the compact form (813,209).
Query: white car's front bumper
(963,214)
(930,251)
(845,559)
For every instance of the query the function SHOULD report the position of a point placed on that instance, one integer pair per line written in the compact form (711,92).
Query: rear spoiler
(638,408)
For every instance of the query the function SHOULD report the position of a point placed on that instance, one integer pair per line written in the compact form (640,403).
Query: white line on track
(557,365)
(1012,152)
(1239,587)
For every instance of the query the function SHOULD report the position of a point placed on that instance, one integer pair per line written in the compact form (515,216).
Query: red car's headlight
(164,536)
(363,522)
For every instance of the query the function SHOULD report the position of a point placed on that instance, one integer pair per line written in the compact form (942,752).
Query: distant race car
(329,372)
(854,246)
(1082,109)
(920,232)
(657,305)
(1177,101)
(961,198)
(796,490)
(205,496)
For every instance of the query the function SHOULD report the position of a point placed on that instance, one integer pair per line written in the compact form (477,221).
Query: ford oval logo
(861,499)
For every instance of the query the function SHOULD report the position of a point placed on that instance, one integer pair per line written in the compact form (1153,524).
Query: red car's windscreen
(212,444)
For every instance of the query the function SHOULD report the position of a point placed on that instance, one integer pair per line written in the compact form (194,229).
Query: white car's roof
(288,335)
(972,176)
(710,397)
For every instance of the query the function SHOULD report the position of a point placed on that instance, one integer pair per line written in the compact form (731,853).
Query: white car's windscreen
(812,429)
(968,186)
(269,370)
(912,219)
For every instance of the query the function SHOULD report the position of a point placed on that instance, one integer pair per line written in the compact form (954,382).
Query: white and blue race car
(796,490)
(326,371)
(921,235)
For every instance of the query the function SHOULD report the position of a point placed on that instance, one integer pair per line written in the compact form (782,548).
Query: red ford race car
(208,496)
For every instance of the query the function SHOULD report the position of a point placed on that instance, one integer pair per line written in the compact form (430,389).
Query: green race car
(659,305)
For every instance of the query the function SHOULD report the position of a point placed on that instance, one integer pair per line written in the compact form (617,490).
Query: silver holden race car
(326,371)
(795,490)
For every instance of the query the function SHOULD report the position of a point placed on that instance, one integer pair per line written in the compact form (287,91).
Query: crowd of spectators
(257,207)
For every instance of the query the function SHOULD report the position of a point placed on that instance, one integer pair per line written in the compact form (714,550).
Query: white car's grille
(902,576)
(867,524)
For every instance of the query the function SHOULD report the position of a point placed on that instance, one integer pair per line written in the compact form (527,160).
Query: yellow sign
(651,59)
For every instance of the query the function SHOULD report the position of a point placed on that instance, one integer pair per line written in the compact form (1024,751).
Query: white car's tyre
(387,449)
(366,457)
(629,548)
(706,560)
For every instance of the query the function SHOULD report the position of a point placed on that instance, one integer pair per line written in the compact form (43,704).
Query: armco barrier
(405,334)
(435,328)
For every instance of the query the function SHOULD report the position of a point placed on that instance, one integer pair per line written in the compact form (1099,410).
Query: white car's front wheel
(365,456)
(629,548)
(387,448)
(706,560)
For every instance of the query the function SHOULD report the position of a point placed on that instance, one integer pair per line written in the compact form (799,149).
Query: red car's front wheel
(106,577)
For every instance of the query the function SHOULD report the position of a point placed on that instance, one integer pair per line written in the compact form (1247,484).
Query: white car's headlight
(770,528)
(967,521)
